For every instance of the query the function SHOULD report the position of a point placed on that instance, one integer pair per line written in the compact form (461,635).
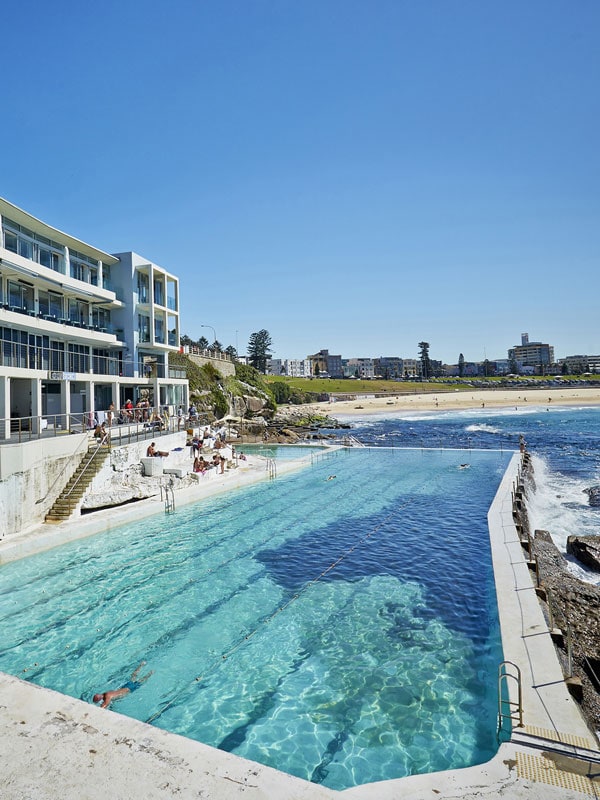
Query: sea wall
(31,476)
(122,479)
(225,368)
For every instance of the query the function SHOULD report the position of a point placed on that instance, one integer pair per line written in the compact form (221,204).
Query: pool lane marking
(224,656)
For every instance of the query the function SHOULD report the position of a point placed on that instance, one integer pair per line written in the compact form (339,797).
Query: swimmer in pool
(464,466)
(116,694)
(331,477)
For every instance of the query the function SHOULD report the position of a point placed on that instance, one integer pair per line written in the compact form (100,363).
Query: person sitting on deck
(116,694)
(152,451)
(200,465)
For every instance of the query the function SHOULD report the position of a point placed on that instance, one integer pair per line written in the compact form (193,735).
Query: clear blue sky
(358,176)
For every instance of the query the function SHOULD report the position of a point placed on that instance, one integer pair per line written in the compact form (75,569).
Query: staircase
(71,495)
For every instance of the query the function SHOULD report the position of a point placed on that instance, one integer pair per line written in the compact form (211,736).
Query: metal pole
(213,330)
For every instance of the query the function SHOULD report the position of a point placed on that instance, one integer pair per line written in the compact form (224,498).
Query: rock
(575,604)
(585,549)
(593,494)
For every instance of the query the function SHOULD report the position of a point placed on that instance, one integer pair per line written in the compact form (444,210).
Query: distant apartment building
(389,367)
(469,370)
(80,328)
(298,367)
(537,355)
(275,366)
(324,363)
(577,365)
(361,368)
(411,367)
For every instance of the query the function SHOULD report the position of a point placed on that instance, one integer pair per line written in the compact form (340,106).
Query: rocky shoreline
(571,606)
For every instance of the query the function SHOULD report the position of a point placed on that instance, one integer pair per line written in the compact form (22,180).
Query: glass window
(57,356)
(172,324)
(172,295)
(25,248)
(56,305)
(11,241)
(143,287)
(77,270)
(43,303)
(45,257)
(79,358)
(144,328)
(159,298)
(159,330)
(14,294)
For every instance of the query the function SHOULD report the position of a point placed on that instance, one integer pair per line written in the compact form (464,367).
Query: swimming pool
(283,452)
(343,629)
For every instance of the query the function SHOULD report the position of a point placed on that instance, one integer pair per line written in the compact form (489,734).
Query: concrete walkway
(56,746)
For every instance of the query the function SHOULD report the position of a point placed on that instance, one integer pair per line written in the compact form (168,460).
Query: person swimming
(106,698)
(464,466)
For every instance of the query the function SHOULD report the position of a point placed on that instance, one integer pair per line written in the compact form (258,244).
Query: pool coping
(81,748)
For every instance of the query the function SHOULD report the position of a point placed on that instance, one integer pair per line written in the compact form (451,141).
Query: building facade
(325,364)
(532,354)
(361,368)
(80,329)
(297,367)
(577,365)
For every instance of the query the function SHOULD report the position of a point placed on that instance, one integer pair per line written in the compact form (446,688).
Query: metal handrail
(515,708)
(91,453)
(62,471)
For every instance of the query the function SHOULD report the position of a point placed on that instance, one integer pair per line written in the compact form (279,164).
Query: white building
(80,328)
(298,367)
(274,366)
(361,367)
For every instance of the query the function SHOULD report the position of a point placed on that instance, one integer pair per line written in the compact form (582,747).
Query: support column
(4,408)
(36,405)
(65,404)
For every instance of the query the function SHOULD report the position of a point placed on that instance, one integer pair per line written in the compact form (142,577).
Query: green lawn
(352,386)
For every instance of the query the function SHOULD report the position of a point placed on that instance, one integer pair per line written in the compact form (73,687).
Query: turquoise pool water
(282,452)
(340,629)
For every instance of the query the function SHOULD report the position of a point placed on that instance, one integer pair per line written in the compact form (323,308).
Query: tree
(231,352)
(426,370)
(202,343)
(185,340)
(461,366)
(259,349)
(216,346)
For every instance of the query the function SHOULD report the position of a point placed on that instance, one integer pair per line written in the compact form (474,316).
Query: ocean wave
(483,427)
(560,506)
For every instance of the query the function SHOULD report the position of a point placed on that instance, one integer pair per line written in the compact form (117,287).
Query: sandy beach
(443,401)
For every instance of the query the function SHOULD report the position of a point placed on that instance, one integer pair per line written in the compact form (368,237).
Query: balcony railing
(25,356)
(126,426)
(192,349)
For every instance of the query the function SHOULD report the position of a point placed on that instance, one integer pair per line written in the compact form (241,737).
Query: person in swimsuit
(115,694)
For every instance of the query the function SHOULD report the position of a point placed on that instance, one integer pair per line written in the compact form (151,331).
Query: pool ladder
(167,493)
(272,467)
(509,710)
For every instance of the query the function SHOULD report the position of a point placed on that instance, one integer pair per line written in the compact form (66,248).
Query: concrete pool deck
(57,746)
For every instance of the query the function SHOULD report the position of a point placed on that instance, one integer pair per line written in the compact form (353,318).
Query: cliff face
(215,395)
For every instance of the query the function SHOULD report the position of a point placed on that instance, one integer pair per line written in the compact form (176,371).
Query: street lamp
(213,330)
